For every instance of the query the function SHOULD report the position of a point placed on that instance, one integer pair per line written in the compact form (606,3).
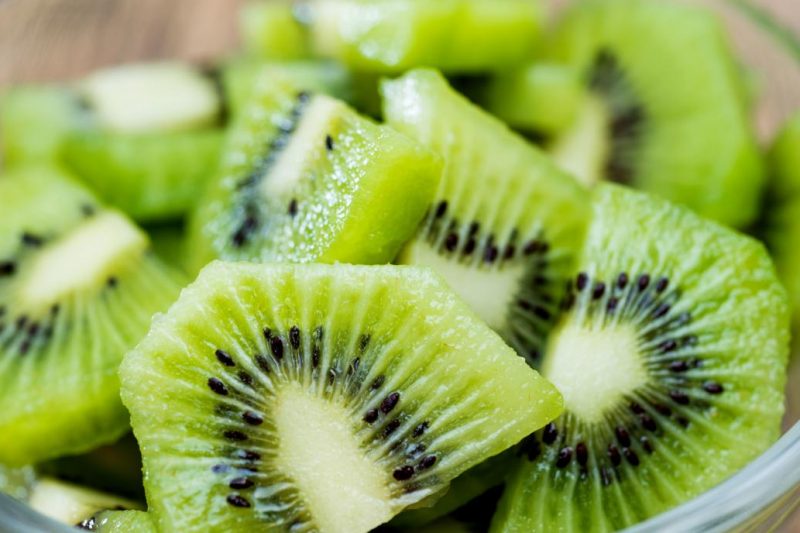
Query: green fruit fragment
(73,504)
(460,36)
(306,179)
(123,522)
(506,224)
(270,30)
(77,289)
(672,362)
(319,397)
(665,111)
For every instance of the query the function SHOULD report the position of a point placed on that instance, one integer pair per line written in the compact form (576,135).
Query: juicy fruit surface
(304,178)
(271,31)
(72,504)
(122,522)
(505,224)
(452,35)
(76,291)
(684,342)
(269,388)
(677,127)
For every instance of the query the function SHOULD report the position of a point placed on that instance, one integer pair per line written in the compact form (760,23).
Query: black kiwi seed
(245,378)
(329,143)
(236,500)
(262,363)
(371,416)
(292,210)
(613,455)
(111,282)
(233,434)
(391,427)
(241,483)
(403,473)
(712,387)
(679,397)
(420,429)
(390,402)
(378,382)
(276,345)
(564,457)
(581,280)
(294,337)
(441,209)
(224,358)
(622,436)
(581,454)
(363,342)
(248,455)
(254,419)
(7,268)
(426,462)
(550,433)
(29,239)
(217,386)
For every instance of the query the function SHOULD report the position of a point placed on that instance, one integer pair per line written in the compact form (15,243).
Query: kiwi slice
(505,225)
(240,76)
(77,290)
(319,397)
(782,211)
(456,36)
(150,137)
(120,522)
(305,178)
(672,362)
(72,504)
(664,110)
(270,30)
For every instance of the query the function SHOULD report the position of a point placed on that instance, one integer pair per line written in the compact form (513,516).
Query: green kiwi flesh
(72,504)
(456,36)
(782,209)
(319,397)
(664,110)
(304,178)
(270,30)
(240,77)
(672,361)
(505,224)
(77,290)
(121,522)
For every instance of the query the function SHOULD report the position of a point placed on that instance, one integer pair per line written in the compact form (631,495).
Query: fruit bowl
(43,40)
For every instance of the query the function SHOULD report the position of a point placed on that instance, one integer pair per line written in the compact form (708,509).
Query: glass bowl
(47,40)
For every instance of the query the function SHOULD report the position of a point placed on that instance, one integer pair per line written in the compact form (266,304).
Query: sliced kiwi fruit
(455,36)
(305,178)
(672,361)
(73,504)
(153,137)
(664,109)
(782,208)
(270,30)
(77,289)
(240,76)
(505,225)
(319,397)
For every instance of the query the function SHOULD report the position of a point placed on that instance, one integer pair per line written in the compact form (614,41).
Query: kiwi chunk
(456,36)
(505,225)
(77,290)
(319,397)
(120,522)
(270,30)
(150,138)
(305,178)
(672,362)
(782,208)
(73,504)
(664,109)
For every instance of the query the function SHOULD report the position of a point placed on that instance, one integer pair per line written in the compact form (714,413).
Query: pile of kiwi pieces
(403,265)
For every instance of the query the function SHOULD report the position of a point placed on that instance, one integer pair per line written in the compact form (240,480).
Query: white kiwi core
(594,368)
(583,149)
(487,292)
(83,258)
(317,449)
(307,143)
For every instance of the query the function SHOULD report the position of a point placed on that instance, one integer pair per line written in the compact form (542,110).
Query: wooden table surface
(49,40)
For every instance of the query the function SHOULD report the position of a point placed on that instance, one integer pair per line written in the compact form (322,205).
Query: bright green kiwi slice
(664,109)
(672,362)
(319,397)
(782,209)
(71,504)
(505,224)
(305,178)
(149,137)
(77,290)
(120,522)
(456,36)
(270,30)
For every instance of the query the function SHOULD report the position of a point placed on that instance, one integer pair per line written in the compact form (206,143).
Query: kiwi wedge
(319,397)
(782,208)
(664,109)
(269,29)
(77,290)
(672,362)
(152,139)
(72,504)
(505,225)
(455,36)
(304,178)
